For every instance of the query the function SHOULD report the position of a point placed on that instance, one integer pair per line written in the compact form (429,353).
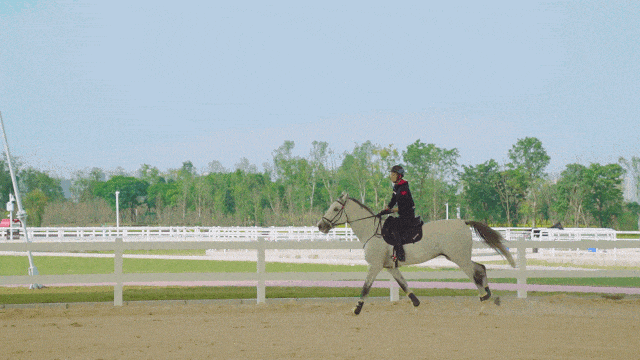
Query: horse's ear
(344,196)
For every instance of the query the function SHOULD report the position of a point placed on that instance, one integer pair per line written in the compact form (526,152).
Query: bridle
(339,214)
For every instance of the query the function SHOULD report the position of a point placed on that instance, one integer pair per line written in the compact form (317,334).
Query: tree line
(296,190)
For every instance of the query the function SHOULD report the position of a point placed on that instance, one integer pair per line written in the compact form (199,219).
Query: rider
(406,208)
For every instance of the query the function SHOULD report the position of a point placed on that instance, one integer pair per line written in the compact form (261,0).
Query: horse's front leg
(404,285)
(368,282)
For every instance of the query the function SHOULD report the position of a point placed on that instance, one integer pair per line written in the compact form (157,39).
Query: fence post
(394,290)
(261,269)
(522,270)
(117,271)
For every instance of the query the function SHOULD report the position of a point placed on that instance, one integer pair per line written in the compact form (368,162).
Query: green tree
(358,171)
(83,186)
(529,154)
(216,166)
(604,199)
(317,160)
(31,179)
(384,159)
(6,185)
(39,189)
(150,174)
(630,218)
(570,192)
(221,192)
(511,187)
(35,203)
(529,157)
(632,167)
(326,161)
(132,192)
(547,199)
(245,166)
(186,185)
(293,173)
(434,172)
(248,199)
(479,191)
(203,197)
(161,195)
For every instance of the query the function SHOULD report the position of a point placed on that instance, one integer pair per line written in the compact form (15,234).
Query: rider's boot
(400,252)
(398,248)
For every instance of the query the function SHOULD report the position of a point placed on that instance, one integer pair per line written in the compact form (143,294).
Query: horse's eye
(335,209)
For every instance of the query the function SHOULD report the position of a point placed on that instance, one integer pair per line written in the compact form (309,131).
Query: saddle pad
(408,234)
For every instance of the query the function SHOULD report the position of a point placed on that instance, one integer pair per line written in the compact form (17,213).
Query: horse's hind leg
(404,285)
(480,279)
(477,273)
(371,276)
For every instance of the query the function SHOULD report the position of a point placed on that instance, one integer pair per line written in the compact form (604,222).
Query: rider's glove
(384,212)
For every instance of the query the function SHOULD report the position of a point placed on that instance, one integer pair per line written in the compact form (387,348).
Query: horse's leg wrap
(371,276)
(487,296)
(414,299)
(479,275)
(358,307)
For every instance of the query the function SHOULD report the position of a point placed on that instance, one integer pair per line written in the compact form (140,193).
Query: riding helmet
(398,169)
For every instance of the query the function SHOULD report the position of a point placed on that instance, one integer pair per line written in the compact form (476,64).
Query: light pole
(118,209)
(22,215)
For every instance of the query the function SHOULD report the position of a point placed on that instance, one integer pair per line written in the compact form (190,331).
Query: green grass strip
(74,294)
(57,265)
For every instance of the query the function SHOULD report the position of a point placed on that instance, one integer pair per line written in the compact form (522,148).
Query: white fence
(262,239)
(174,233)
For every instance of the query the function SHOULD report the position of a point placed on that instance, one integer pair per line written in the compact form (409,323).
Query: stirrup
(395,253)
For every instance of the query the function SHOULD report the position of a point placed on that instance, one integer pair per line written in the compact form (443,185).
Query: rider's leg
(399,249)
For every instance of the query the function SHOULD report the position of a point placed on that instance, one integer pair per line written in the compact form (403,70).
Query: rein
(375,233)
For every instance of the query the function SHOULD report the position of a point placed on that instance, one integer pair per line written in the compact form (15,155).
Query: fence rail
(171,233)
(262,239)
(288,233)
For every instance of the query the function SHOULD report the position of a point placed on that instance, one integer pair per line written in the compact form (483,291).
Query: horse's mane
(362,205)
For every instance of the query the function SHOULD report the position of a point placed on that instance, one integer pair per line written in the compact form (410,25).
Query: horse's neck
(361,222)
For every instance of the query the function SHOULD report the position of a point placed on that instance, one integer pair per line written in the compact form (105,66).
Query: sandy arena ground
(553,327)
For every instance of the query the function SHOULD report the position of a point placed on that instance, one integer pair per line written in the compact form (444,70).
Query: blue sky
(121,83)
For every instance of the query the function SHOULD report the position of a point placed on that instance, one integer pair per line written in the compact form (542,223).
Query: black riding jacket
(402,197)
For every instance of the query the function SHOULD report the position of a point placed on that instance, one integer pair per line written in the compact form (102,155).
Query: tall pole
(22,215)
(117,210)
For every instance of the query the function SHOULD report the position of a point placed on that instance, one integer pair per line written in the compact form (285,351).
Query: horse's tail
(492,238)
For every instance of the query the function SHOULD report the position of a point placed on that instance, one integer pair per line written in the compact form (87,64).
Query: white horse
(450,238)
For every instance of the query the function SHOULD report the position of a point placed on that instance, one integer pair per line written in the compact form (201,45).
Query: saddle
(408,232)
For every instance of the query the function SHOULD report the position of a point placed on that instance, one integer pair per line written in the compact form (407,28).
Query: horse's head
(335,215)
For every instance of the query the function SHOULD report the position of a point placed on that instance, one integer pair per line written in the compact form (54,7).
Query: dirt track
(555,327)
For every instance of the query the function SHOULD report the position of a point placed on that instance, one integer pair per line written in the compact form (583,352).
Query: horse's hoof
(487,296)
(414,299)
(497,301)
(358,308)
